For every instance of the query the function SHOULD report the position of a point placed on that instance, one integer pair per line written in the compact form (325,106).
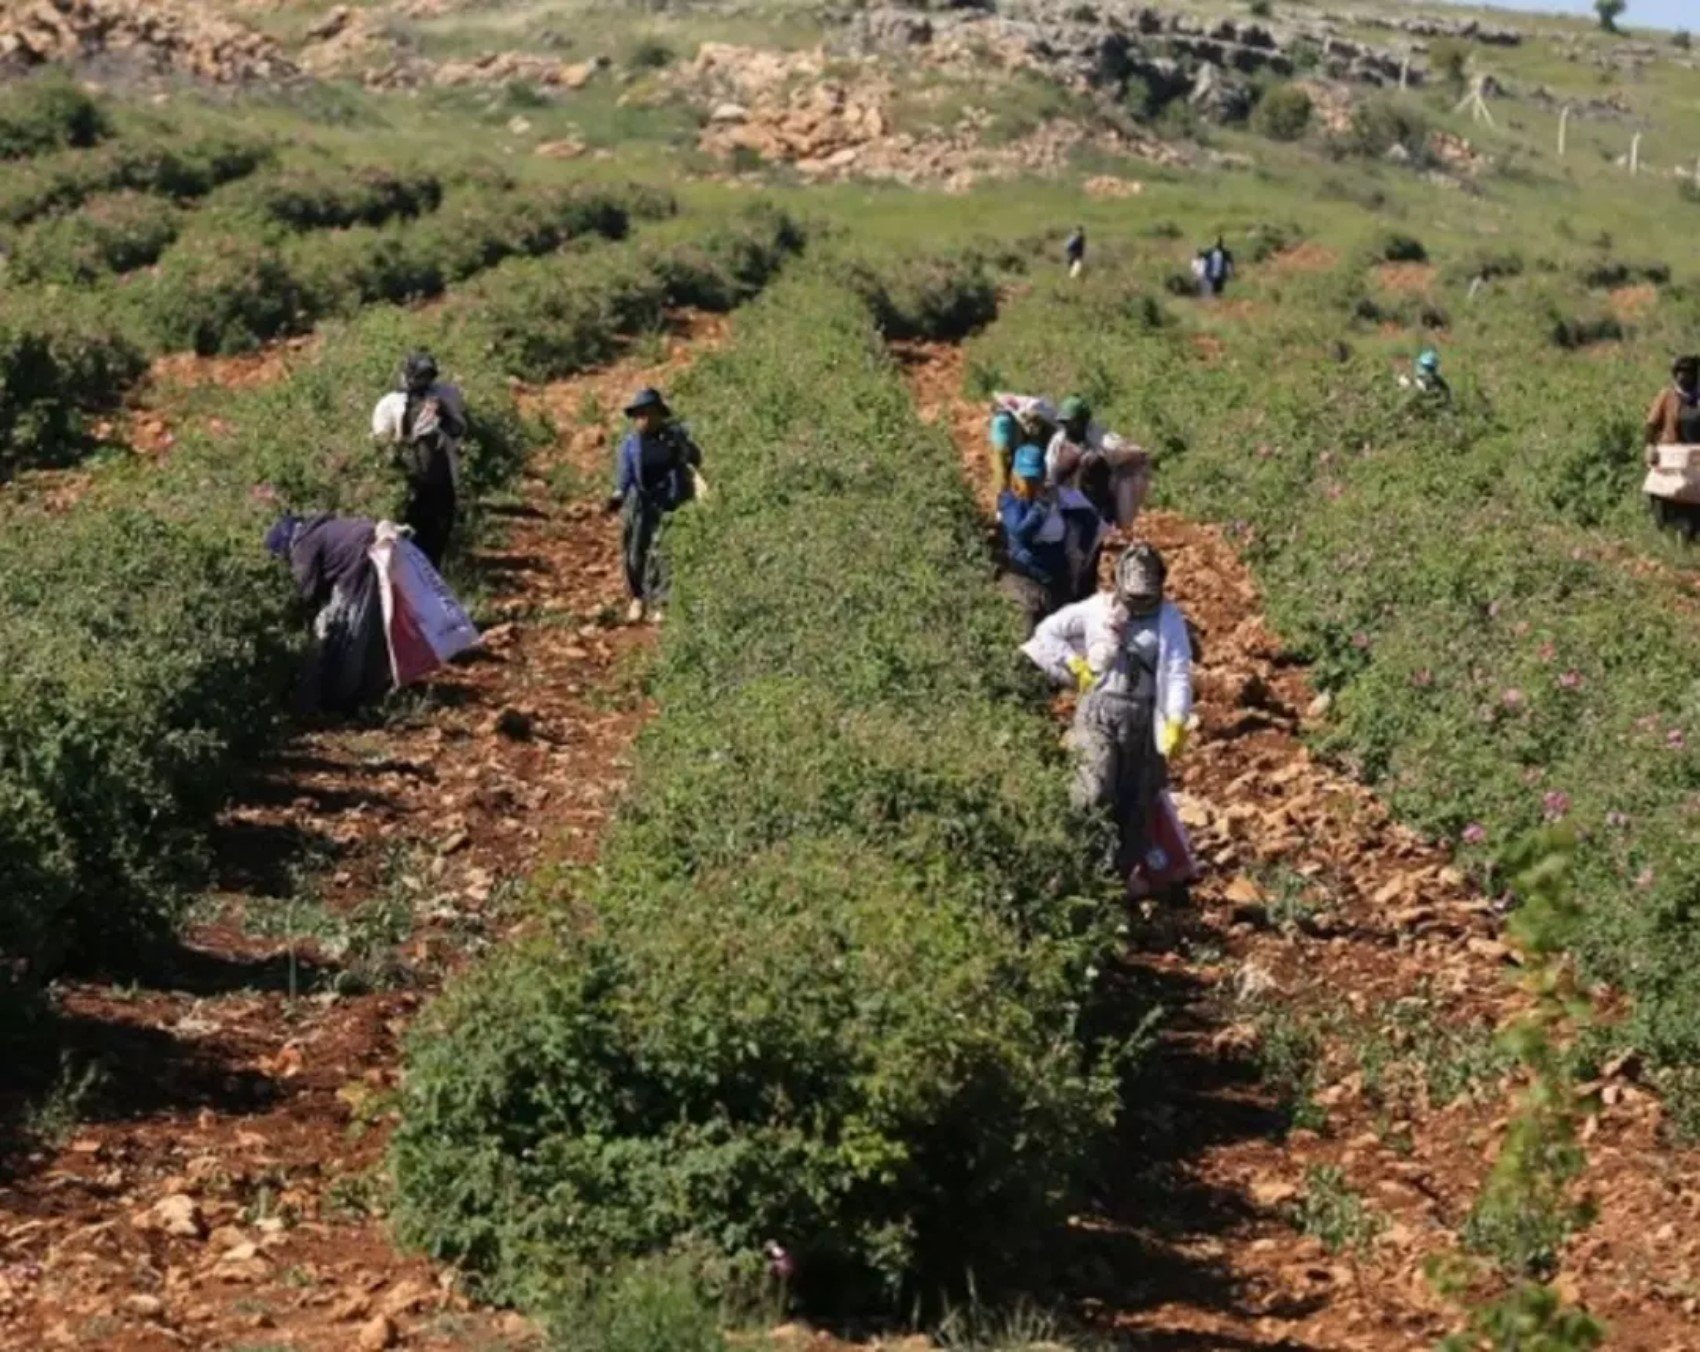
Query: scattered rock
(565,149)
(1273,1192)
(376,1334)
(179,1214)
(144,1306)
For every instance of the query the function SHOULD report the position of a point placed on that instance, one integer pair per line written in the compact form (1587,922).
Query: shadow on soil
(1157,1221)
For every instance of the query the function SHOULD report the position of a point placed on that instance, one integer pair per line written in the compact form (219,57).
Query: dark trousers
(430,514)
(641,519)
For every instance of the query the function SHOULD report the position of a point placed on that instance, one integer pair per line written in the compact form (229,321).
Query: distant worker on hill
(657,473)
(1672,434)
(348,662)
(1425,377)
(1215,269)
(1127,651)
(424,421)
(1037,527)
(1075,250)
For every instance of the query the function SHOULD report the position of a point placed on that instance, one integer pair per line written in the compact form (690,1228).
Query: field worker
(1126,650)
(1017,419)
(348,660)
(1217,269)
(424,422)
(1427,377)
(1112,472)
(1674,419)
(656,475)
(1075,251)
(1035,530)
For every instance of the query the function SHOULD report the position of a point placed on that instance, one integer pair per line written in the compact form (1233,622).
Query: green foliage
(174,166)
(641,1306)
(925,295)
(1402,248)
(1283,113)
(56,367)
(222,293)
(1331,1212)
(1382,123)
(47,113)
(318,198)
(119,233)
(842,946)
(1528,1318)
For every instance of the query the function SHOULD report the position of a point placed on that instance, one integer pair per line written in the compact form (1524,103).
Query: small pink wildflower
(1546,652)
(1556,804)
(1334,492)
(1475,833)
(1675,740)
(1360,640)
(264,494)
(1644,879)
(1616,819)
(1512,698)
(1422,679)
(1570,680)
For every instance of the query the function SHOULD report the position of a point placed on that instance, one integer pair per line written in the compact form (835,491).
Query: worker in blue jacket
(656,475)
(1036,527)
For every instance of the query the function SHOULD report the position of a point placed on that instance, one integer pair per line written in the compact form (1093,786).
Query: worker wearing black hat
(656,475)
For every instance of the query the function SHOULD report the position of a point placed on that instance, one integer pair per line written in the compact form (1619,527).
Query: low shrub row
(111,234)
(176,166)
(55,370)
(147,636)
(828,986)
(47,113)
(330,197)
(549,317)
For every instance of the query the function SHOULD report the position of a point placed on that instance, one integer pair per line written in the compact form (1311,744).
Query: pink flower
(1333,492)
(1556,804)
(1360,640)
(1617,819)
(1512,698)
(264,494)
(1644,879)
(1475,833)
(1422,679)
(1546,652)
(1675,740)
(1570,680)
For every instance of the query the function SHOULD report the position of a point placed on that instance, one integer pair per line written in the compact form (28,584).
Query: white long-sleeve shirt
(1091,629)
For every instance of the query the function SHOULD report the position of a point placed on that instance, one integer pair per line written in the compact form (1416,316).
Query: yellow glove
(1083,677)
(1171,738)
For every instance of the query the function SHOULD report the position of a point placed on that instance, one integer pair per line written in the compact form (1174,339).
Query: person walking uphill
(1216,269)
(424,420)
(330,557)
(656,475)
(1128,653)
(1074,250)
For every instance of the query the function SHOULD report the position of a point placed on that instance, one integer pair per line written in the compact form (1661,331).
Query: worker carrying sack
(423,622)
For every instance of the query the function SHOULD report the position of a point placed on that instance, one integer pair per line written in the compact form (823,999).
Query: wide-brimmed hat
(644,400)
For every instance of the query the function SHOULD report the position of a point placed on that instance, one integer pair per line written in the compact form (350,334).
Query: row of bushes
(177,166)
(68,357)
(146,636)
(829,986)
(1496,663)
(47,113)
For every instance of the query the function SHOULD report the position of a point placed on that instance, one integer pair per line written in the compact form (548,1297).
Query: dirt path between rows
(1330,990)
(218,1187)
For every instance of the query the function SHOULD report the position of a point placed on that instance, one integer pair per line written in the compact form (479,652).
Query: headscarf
(280,539)
(1140,572)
